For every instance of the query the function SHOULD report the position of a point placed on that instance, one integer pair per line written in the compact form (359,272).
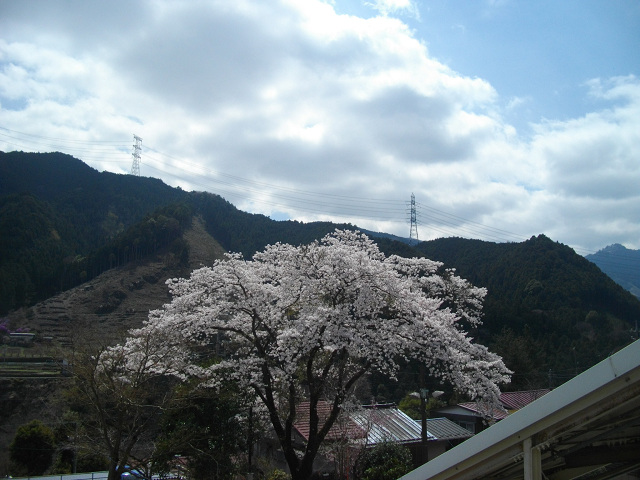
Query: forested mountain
(57,216)
(621,264)
(63,223)
(549,311)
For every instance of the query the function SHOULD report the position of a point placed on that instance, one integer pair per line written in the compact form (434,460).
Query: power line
(65,140)
(98,150)
(361,206)
(455,220)
(386,210)
(275,196)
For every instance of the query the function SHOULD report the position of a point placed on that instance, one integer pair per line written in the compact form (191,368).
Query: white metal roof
(588,426)
(386,424)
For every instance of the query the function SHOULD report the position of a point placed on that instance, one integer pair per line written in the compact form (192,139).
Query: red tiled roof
(517,400)
(344,427)
(485,410)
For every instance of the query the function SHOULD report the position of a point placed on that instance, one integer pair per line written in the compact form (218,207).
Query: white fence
(92,476)
(73,476)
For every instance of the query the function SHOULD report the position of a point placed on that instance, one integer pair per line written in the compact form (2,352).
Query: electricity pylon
(137,149)
(413,233)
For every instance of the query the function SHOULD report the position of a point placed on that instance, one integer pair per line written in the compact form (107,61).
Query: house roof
(387,423)
(475,409)
(375,424)
(344,427)
(445,429)
(588,426)
(517,400)
(486,410)
(509,400)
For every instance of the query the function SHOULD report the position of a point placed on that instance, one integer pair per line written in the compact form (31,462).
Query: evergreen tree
(33,447)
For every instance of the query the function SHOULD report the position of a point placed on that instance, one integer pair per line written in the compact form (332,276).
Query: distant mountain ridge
(621,264)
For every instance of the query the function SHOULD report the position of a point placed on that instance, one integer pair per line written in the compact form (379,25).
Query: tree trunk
(113,472)
(304,472)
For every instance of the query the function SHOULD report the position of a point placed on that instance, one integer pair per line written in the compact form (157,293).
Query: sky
(505,119)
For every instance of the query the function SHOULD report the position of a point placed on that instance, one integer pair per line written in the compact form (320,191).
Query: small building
(387,423)
(370,425)
(473,416)
(21,339)
(476,416)
(443,435)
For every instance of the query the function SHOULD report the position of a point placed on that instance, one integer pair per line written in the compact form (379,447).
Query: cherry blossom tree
(306,323)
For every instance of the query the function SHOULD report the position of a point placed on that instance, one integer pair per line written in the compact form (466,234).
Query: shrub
(387,461)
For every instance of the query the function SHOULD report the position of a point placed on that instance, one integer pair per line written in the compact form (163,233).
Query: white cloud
(290,108)
(595,155)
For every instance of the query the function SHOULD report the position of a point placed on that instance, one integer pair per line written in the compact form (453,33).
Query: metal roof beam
(603,455)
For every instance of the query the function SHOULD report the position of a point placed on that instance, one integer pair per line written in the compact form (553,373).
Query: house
(586,428)
(473,416)
(21,339)
(367,426)
(476,416)
(443,435)
(386,423)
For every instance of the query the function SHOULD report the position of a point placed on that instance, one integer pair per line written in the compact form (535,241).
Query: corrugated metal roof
(376,424)
(445,429)
(385,423)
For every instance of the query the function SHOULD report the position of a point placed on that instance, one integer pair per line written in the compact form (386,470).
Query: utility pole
(424,393)
(413,232)
(137,149)
(425,396)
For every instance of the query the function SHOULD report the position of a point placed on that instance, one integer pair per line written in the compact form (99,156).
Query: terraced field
(28,362)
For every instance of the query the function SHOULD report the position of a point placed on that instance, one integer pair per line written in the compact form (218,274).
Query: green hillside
(64,223)
(549,312)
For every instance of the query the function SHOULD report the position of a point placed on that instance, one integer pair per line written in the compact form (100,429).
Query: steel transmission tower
(413,233)
(137,149)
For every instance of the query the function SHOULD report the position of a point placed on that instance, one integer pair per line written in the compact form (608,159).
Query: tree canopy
(308,322)
(33,447)
(206,429)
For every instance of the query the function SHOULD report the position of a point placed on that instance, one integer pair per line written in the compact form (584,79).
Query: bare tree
(120,396)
